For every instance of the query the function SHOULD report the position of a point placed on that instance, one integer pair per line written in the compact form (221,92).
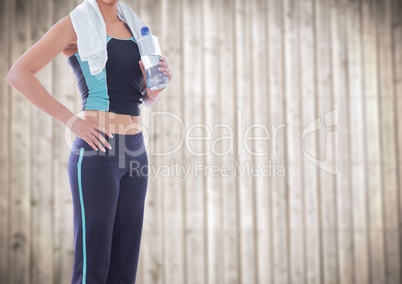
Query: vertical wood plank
(243,96)
(260,117)
(194,99)
(397,65)
(174,242)
(343,178)
(20,154)
(357,145)
(294,146)
(41,202)
(326,178)
(279,191)
(226,90)
(388,139)
(372,142)
(213,265)
(310,172)
(5,149)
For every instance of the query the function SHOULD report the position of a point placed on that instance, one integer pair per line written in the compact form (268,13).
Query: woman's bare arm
(21,76)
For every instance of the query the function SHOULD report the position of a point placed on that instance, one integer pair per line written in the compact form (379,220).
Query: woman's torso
(115,122)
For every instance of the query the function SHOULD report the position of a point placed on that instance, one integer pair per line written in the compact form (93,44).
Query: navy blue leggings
(108,192)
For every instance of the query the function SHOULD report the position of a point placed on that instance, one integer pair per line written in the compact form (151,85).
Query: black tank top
(117,87)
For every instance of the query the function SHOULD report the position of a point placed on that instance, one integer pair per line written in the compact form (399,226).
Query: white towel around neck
(90,27)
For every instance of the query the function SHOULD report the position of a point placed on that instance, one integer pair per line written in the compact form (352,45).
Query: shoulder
(63,32)
(65,27)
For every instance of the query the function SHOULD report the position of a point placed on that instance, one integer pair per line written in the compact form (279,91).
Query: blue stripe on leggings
(84,249)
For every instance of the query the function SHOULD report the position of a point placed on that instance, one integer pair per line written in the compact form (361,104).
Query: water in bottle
(151,53)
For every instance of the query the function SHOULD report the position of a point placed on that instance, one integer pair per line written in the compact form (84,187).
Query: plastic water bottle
(151,53)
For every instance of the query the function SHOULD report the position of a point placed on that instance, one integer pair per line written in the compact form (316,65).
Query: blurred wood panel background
(320,81)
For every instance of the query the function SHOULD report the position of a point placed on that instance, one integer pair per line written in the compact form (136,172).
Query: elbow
(12,76)
(150,103)
(18,73)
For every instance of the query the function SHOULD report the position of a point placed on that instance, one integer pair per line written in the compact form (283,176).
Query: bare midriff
(114,122)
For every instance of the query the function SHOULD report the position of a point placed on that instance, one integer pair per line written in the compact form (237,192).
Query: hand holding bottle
(163,66)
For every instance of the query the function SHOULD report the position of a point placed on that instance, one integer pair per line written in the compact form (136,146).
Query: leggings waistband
(122,144)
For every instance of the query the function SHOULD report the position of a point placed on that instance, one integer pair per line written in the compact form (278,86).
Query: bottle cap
(144,31)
